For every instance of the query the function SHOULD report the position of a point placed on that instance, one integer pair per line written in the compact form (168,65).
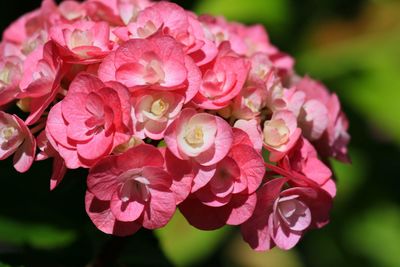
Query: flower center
(159,107)
(251,105)
(81,38)
(148,29)
(7,133)
(276,133)
(5,76)
(132,142)
(135,188)
(154,72)
(195,137)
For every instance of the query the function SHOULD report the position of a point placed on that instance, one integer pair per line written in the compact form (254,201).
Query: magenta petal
(182,175)
(59,170)
(85,83)
(194,79)
(126,211)
(158,178)
(240,209)
(25,154)
(144,155)
(100,145)
(207,197)
(201,216)
(107,68)
(223,142)
(56,126)
(160,209)
(251,164)
(256,230)
(284,238)
(70,157)
(100,214)
(202,175)
(131,74)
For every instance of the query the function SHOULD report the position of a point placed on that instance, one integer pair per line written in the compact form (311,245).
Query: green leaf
(39,236)
(273,13)
(239,253)
(376,235)
(184,244)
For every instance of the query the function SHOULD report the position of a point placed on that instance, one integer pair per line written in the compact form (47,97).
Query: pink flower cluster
(167,110)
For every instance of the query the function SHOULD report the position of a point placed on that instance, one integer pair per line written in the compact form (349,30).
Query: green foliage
(40,236)
(185,245)
(375,235)
(273,13)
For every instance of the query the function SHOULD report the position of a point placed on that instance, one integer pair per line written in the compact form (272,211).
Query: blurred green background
(354,48)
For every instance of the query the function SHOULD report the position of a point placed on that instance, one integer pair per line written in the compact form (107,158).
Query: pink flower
(280,98)
(15,137)
(228,197)
(170,19)
(158,62)
(47,151)
(253,131)
(219,31)
(282,217)
(67,11)
(223,79)
(182,174)
(130,9)
(154,111)
(324,121)
(336,138)
(25,27)
(116,12)
(280,134)
(303,159)
(203,137)
(133,192)
(261,68)
(84,135)
(41,79)
(83,42)
(249,103)
(313,117)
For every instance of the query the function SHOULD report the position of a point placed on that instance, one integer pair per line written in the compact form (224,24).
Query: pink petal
(100,214)
(202,175)
(159,210)
(201,216)
(193,79)
(182,175)
(256,230)
(56,127)
(251,165)
(284,238)
(207,197)
(107,68)
(240,209)
(59,170)
(100,145)
(25,155)
(126,211)
(223,142)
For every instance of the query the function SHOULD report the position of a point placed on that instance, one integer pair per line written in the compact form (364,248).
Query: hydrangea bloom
(169,110)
